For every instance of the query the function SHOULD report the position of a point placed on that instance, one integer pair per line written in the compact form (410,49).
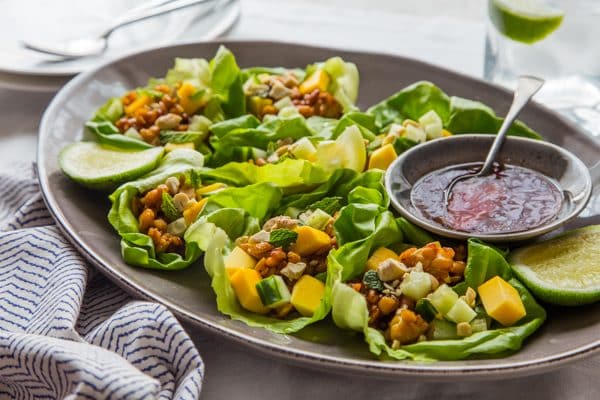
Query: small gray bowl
(568,171)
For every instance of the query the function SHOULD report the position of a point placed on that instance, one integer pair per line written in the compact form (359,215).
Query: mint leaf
(282,237)
(372,281)
(328,204)
(168,207)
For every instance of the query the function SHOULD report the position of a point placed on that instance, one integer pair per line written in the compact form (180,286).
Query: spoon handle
(164,8)
(527,86)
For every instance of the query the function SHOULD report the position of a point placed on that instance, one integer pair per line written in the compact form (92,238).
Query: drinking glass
(557,40)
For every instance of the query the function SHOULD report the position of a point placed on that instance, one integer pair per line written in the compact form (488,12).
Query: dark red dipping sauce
(512,199)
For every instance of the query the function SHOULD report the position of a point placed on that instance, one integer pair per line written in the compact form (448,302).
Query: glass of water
(558,40)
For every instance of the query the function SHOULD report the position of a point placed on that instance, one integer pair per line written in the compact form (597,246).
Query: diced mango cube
(173,146)
(188,99)
(137,104)
(382,157)
(190,214)
(310,240)
(501,301)
(256,104)
(446,133)
(238,259)
(379,256)
(307,294)
(244,283)
(317,80)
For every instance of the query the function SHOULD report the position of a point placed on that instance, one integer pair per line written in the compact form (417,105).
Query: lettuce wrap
(349,307)
(138,248)
(458,115)
(211,89)
(342,186)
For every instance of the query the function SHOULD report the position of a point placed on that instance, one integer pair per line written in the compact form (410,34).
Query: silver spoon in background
(527,86)
(92,46)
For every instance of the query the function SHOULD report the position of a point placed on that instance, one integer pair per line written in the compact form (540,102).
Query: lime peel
(564,270)
(103,167)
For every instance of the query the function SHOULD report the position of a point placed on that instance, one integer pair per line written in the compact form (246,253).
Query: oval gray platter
(568,334)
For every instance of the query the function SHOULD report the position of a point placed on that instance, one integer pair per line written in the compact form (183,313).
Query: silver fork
(85,47)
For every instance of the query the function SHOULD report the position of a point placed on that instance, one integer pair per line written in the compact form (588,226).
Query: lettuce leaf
(291,175)
(458,115)
(349,309)
(137,248)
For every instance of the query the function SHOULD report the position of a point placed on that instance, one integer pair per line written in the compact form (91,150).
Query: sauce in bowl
(512,199)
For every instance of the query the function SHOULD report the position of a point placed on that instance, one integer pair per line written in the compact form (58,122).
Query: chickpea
(146,219)
(372,296)
(388,304)
(160,224)
(293,257)
(153,199)
(458,267)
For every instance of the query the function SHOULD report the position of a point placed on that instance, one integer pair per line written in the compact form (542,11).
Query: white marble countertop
(445,32)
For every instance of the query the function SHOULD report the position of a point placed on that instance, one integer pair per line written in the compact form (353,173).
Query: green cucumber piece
(440,329)
(317,219)
(416,285)
(461,312)
(479,325)
(443,298)
(426,310)
(273,291)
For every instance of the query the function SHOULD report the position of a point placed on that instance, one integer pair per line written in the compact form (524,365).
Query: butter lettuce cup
(153,213)
(175,110)
(415,299)
(279,277)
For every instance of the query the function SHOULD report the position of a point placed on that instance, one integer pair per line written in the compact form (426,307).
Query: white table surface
(446,32)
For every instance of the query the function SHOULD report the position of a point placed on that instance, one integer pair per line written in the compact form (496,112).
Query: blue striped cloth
(67,332)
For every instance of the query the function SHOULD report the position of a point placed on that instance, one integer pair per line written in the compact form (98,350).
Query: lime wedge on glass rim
(102,167)
(564,270)
(526,21)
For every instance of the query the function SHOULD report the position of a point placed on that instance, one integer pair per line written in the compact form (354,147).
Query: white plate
(37,21)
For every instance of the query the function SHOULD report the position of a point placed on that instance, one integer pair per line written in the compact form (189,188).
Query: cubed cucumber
(440,329)
(273,291)
(416,285)
(318,219)
(432,124)
(460,312)
(426,310)
(479,325)
(443,298)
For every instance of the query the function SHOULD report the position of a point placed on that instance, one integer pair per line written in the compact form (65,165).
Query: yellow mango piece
(257,103)
(238,259)
(137,104)
(173,146)
(190,214)
(310,240)
(446,133)
(382,157)
(379,256)
(317,80)
(244,283)
(501,301)
(307,294)
(210,188)
(186,93)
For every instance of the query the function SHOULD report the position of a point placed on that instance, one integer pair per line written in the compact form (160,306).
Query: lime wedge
(526,21)
(103,168)
(564,270)
(347,151)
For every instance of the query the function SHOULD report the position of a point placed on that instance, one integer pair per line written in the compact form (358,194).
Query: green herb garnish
(372,281)
(282,237)
(168,207)
(328,204)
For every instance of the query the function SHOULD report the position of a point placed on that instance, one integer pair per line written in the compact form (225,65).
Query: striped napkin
(67,332)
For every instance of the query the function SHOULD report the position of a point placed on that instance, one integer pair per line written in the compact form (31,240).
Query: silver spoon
(92,46)
(527,86)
